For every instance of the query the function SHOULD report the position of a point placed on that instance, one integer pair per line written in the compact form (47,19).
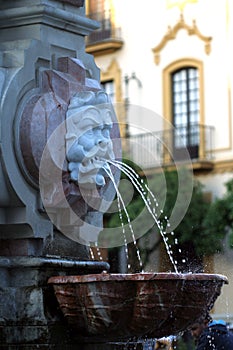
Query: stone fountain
(54,181)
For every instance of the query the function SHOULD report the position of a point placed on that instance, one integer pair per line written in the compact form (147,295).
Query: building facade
(167,66)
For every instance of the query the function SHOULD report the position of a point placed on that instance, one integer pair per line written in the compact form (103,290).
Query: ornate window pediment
(172,33)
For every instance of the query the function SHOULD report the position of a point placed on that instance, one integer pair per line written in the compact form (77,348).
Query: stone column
(33,37)
(42,54)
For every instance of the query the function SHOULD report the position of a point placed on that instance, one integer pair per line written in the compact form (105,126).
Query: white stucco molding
(172,33)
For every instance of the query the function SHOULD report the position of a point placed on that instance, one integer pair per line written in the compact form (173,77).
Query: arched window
(109,88)
(183,106)
(100,10)
(186,110)
(111,82)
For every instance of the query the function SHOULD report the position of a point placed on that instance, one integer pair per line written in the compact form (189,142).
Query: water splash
(123,231)
(98,252)
(92,253)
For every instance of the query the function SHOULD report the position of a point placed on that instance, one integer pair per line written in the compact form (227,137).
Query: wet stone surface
(123,306)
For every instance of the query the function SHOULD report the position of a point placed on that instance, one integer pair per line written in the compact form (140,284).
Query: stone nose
(102,142)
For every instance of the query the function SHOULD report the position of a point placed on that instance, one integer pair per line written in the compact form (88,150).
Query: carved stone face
(88,142)
(67,134)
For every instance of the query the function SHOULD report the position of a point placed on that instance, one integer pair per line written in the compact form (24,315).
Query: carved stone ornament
(66,133)
(88,142)
(171,35)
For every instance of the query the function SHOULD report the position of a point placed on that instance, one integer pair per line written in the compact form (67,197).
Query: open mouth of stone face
(94,170)
(92,164)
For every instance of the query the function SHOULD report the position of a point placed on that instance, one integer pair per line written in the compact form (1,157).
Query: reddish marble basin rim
(142,276)
(123,306)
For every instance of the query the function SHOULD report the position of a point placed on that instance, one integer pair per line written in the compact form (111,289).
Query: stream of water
(151,205)
(148,197)
(121,206)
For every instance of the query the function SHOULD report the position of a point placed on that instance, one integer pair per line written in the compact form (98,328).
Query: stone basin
(122,306)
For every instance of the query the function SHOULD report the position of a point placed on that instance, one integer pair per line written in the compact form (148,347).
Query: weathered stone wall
(34,37)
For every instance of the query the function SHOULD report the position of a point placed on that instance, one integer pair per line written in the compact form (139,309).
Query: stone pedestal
(38,39)
(34,38)
(30,317)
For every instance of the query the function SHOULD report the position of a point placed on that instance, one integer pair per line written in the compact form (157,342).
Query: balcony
(169,148)
(107,38)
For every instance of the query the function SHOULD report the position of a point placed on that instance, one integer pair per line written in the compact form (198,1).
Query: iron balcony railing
(155,149)
(107,31)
